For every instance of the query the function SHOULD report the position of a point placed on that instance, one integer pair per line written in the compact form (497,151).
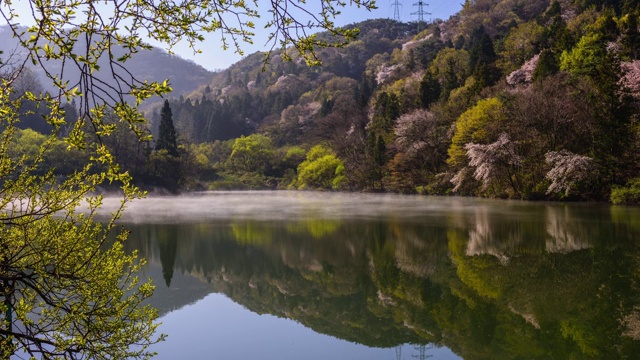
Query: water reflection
(487,279)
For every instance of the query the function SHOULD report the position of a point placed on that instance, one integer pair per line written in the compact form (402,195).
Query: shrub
(629,194)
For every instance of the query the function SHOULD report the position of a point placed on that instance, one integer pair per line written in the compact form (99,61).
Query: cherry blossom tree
(568,170)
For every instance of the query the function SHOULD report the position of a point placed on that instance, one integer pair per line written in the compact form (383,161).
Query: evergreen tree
(547,65)
(450,81)
(167,132)
(168,245)
(366,88)
(630,40)
(380,151)
(429,90)
(482,57)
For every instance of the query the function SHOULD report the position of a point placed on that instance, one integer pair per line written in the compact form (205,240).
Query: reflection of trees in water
(565,233)
(167,246)
(384,283)
(509,231)
(553,228)
(418,248)
(483,240)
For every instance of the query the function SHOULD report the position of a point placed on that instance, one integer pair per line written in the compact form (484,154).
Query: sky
(213,57)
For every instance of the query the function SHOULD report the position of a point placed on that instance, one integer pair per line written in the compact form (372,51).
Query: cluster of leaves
(67,289)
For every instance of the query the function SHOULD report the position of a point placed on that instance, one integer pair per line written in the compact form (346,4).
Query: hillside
(154,65)
(489,102)
(509,99)
(251,95)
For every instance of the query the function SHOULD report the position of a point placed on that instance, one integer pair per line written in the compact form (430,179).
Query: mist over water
(292,205)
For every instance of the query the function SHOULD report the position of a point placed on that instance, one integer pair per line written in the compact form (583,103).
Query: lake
(306,275)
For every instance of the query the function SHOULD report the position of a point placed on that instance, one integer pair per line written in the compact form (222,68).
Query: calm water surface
(290,275)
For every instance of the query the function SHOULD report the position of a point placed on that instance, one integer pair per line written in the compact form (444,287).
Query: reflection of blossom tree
(416,252)
(564,238)
(482,239)
(631,324)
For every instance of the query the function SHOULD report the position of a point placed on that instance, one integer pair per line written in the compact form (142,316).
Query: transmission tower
(396,9)
(421,12)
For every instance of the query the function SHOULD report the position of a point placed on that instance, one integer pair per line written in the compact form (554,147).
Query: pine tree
(429,90)
(547,65)
(167,132)
(630,39)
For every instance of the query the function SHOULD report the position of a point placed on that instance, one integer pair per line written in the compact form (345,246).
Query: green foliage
(629,194)
(586,57)
(547,65)
(482,56)
(630,40)
(521,45)
(430,89)
(354,104)
(321,170)
(163,170)
(252,153)
(473,126)
(86,305)
(387,110)
(451,67)
(68,289)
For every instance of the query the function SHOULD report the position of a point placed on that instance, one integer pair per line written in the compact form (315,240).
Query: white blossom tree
(423,137)
(567,170)
(494,162)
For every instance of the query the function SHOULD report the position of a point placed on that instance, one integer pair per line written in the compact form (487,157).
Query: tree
(423,137)
(568,170)
(547,65)
(429,90)
(473,126)
(421,143)
(67,288)
(386,111)
(630,40)
(167,132)
(251,153)
(481,50)
(587,57)
(495,162)
(321,170)
(521,45)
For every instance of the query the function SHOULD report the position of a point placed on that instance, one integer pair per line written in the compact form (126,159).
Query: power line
(421,12)
(396,9)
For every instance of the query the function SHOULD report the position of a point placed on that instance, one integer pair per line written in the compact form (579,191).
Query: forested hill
(519,99)
(508,98)
(251,95)
(153,65)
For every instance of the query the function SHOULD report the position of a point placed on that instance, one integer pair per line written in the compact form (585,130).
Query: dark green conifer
(380,151)
(429,90)
(547,65)
(167,132)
